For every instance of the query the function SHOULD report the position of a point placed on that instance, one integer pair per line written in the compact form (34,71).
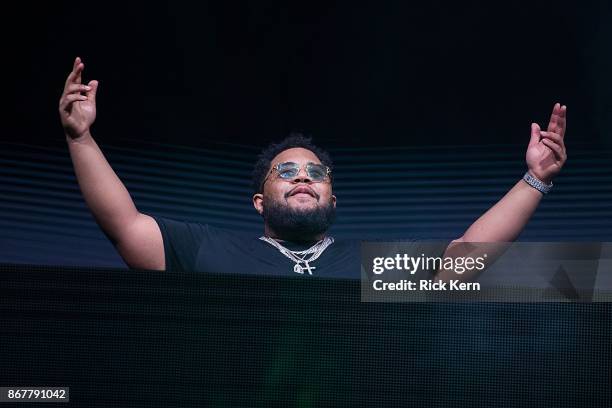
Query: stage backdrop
(427,193)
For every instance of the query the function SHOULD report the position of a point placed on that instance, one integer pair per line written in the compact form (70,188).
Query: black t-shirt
(195,247)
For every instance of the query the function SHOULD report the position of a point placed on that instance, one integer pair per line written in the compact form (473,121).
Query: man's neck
(268,232)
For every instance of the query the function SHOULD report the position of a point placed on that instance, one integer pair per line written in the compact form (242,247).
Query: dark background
(389,73)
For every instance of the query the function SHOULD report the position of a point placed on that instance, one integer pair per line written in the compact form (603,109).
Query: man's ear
(333,198)
(258,203)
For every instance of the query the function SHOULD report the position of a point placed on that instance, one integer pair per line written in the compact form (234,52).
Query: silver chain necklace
(302,257)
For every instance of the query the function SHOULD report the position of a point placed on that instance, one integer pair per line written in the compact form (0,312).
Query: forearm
(506,219)
(501,223)
(105,195)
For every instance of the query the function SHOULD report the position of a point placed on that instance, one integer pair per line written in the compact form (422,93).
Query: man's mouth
(303,190)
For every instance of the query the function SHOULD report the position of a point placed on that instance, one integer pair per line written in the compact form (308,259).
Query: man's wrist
(545,180)
(540,185)
(77,139)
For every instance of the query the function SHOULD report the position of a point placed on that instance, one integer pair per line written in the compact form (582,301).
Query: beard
(300,225)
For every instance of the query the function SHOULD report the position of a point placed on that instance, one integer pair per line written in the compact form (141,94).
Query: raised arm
(507,218)
(135,235)
(545,157)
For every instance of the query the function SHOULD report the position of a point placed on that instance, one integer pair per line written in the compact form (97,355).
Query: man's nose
(302,177)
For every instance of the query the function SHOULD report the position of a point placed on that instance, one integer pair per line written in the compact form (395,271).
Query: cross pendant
(300,269)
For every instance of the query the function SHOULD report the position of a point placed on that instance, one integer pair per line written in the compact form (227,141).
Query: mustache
(308,189)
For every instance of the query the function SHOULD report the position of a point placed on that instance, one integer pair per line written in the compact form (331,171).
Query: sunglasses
(290,170)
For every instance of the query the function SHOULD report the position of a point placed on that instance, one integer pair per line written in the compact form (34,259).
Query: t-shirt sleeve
(182,242)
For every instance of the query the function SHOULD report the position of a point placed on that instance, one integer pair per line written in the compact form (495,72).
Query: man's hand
(546,152)
(77,106)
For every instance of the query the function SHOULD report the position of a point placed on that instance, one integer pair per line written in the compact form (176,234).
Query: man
(293,194)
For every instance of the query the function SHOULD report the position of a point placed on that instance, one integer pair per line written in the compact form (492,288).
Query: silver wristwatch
(537,184)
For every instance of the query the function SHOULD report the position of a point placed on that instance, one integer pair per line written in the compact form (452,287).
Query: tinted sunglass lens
(316,172)
(289,173)
(288,170)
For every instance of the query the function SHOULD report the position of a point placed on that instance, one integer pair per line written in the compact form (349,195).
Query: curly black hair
(295,139)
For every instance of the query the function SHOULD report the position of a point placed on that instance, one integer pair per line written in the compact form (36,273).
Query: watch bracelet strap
(537,183)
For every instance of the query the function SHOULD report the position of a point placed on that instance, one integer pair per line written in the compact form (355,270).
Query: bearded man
(292,192)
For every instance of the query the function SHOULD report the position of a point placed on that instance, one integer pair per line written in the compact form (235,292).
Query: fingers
(555,142)
(75,75)
(67,100)
(71,94)
(535,134)
(557,120)
(93,89)
(72,88)
(77,61)
(552,123)
(557,150)
(79,69)
(553,136)
(563,120)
